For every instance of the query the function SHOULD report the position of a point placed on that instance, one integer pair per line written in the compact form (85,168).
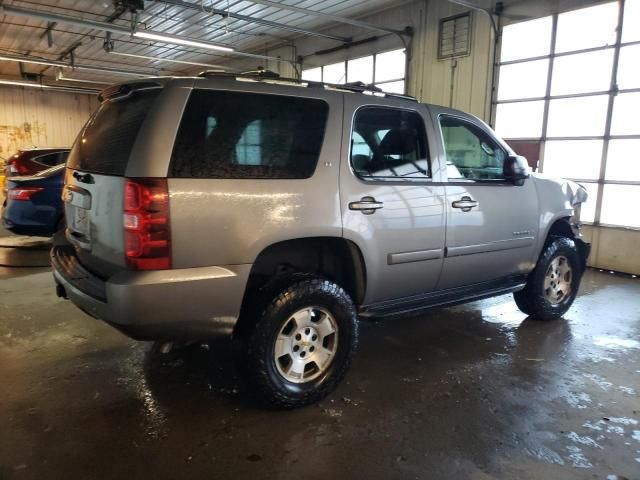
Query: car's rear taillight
(23,193)
(146,224)
(17,168)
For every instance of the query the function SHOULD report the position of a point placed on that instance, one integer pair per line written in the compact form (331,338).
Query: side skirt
(449,297)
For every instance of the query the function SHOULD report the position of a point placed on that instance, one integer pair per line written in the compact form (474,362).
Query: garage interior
(472,391)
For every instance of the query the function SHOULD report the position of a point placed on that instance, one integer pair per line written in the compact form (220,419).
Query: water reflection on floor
(475,391)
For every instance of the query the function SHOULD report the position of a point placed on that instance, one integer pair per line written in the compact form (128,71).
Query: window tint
(105,143)
(471,152)
(248,135)
(389,144)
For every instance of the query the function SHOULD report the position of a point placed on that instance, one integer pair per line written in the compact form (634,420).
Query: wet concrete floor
(476,391)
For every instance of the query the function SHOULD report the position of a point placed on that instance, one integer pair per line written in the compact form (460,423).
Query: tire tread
(295,287)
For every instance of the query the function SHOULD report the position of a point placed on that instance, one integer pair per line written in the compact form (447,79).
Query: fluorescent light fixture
(175,39)
(172,60)
(17,83)
(60,77)
(22,84)
(34,61)
(77,66)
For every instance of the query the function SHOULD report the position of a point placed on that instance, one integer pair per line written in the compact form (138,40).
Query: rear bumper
(179,304)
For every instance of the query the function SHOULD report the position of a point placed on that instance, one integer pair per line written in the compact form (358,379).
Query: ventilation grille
(454,39)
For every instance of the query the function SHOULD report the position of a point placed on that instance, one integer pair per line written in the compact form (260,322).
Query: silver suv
(279,212)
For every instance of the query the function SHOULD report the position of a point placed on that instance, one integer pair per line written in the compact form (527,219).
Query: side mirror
(516,169)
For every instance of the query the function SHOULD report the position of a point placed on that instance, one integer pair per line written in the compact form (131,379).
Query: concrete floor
(474,391)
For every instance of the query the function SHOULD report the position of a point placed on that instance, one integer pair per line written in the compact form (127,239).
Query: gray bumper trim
(191,303)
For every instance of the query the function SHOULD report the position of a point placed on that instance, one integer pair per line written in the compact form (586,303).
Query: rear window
(248,135)
(106,141)
(52,159)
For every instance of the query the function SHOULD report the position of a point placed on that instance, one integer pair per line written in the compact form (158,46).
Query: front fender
(558,200)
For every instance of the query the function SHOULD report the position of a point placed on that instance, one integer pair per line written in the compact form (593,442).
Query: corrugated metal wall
(462,83)
(38,118)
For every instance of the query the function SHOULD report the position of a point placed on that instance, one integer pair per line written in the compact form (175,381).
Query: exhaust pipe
(61,292)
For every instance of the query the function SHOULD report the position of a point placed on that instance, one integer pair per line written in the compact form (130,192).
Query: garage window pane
(523,80)
(390,65)
(573,158)
(630,29)
(582,73)
(625,114)
(587,27)
(312,75)
(623,160)
(392,87)
(334,73)
(519,120)
(628,69)
(616,203)
(360,70)
(526,39)
(588,212)
(576,117)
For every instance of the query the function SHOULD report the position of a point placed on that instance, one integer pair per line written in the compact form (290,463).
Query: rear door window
(106,141)
(389,144)
(248,135)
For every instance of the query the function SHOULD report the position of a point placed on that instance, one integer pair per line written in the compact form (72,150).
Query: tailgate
(95,176)
(93,209)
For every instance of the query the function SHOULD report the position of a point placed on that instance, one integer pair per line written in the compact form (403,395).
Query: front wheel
(302,345)
(553,284)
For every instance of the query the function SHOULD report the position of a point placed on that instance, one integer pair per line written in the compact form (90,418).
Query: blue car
(33,205)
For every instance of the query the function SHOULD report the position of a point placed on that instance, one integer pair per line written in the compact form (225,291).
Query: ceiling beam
(117,29)
(250,19)
(169,60)
(107,27)
(80,66)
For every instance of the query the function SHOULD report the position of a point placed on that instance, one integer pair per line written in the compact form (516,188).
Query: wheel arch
(335,258)
(563,227)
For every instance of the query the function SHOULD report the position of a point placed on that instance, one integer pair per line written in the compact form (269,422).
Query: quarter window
(248,135)
(389,144)
(471,152)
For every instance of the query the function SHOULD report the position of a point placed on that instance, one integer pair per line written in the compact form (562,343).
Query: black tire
(532,300)
(299,292)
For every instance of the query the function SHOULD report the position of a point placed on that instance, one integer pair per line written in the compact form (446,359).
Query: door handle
(465,204)
(367,205)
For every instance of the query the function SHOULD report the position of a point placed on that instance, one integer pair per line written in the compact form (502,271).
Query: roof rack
(356,87)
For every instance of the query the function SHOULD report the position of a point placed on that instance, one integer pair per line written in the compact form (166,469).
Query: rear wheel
(553,285)
(303,343)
